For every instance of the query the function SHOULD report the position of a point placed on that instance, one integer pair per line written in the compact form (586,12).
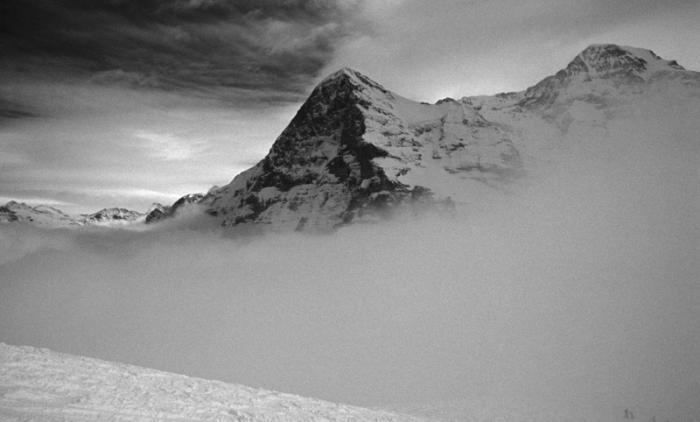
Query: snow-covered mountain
(603,70)
(41,385)
(109,216)
(158,211)
(356,150)
(50,217)
(40,215)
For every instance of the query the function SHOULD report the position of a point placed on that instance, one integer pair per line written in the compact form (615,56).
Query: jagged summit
(158,211)
(605,60)
(353,78)
(111,216)
(611,66)
(355,150)
(344,72)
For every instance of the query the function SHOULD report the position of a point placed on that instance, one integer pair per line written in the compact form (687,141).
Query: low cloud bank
(575,298)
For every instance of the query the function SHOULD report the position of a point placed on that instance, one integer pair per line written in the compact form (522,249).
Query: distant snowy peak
(601,69)
(41,215)
(112,216)
(156,212)
(609,60)
(159,212)
(50,217)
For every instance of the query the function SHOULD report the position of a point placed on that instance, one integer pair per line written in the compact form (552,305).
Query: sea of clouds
(576,296)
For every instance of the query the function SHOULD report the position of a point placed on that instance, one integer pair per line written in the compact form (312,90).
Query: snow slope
(41,385)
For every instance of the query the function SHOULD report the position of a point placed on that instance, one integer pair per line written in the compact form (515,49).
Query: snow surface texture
(41,385)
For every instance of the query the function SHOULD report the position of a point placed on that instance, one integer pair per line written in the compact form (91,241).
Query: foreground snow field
(41,385)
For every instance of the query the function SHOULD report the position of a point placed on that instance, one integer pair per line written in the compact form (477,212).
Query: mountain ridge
(44,215)
(387,151)
(356,151)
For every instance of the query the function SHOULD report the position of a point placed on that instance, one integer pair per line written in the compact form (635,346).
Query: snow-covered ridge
(112,216)
(41,385)
(601,67)
(45,216)
(51,217)
(356,151)
(605,60)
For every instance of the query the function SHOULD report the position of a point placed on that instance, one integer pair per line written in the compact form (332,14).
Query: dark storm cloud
(219,47)
(12,110)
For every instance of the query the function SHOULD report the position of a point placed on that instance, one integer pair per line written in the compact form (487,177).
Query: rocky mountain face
(356,151)
(159,212)
(602,70)
(616,70)
(323,170)
(111,216)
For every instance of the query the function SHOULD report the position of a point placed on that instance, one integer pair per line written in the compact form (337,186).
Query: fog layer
(575,297)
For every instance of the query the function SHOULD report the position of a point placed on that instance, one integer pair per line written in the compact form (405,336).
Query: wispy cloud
(36,201)
(169,147)
(429,50)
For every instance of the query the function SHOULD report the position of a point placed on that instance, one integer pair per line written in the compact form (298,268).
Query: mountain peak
(610,64)
(609,60)
(353,77)
(343,73)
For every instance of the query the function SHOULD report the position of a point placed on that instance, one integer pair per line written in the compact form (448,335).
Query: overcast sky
(127,102)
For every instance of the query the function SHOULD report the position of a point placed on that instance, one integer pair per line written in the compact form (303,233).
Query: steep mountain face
(320,169)
(356,150)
